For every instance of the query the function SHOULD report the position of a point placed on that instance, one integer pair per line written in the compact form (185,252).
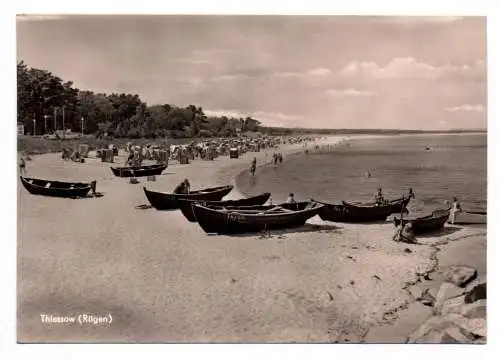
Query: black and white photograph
(251,179)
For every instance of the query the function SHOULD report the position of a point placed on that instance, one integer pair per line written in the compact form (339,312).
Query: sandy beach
(162,279)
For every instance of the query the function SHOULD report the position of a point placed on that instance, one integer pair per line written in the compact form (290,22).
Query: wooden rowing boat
(260,218)
(361,213)
(393,206)
(432,222)
(187,209)
(166,201)
(57,188)
(141,171)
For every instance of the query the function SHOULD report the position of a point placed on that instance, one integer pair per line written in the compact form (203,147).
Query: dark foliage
(47,103)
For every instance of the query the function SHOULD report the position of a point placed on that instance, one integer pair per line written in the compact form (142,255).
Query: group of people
(380,199)
(183,188)
(277,157)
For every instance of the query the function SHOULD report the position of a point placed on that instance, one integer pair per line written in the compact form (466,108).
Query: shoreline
(163,279)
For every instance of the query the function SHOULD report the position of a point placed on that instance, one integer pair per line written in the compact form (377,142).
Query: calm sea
(454,165)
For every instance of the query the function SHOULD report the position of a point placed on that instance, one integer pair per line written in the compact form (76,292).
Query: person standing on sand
(22,166)
(253,167)
(455,208)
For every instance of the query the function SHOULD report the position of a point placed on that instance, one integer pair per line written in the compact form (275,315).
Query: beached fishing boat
(359,213)
(142,171)
(165,201)
(56,188)
(187,209)
(392,206)
(429,223)
(261,218)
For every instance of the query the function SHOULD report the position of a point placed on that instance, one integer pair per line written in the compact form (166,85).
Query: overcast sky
(330,72)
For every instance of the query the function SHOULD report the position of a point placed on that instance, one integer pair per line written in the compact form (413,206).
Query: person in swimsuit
(253,167)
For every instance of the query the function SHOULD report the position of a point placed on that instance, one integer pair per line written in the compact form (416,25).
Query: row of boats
(78,189)
(215,215)
(250,214)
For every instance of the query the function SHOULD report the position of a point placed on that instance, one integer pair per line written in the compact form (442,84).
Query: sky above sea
(307,71)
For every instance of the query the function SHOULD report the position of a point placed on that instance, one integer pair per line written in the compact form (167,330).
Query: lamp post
(45,118)
(82,126)
(34,125)
(55,119)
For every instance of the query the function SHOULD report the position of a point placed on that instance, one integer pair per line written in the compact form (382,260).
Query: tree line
(46,103)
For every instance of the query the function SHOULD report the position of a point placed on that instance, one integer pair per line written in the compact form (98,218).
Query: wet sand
(162,279)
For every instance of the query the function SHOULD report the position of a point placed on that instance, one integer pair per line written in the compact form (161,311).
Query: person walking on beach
(455,208)
(22,166)
(253,167)
(379,197)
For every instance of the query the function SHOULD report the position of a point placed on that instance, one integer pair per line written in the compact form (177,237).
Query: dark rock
(480,340)
(476,293)
(352,282)
(407,250)
(460,275)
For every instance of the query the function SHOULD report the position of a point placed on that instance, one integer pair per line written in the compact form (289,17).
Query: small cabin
(234,153)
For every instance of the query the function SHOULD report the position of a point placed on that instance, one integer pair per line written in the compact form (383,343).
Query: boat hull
(145,171)
(187,209)
(55,188)
(234,222)
(168,201)
(393,206)
(430,223)
(358,213)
